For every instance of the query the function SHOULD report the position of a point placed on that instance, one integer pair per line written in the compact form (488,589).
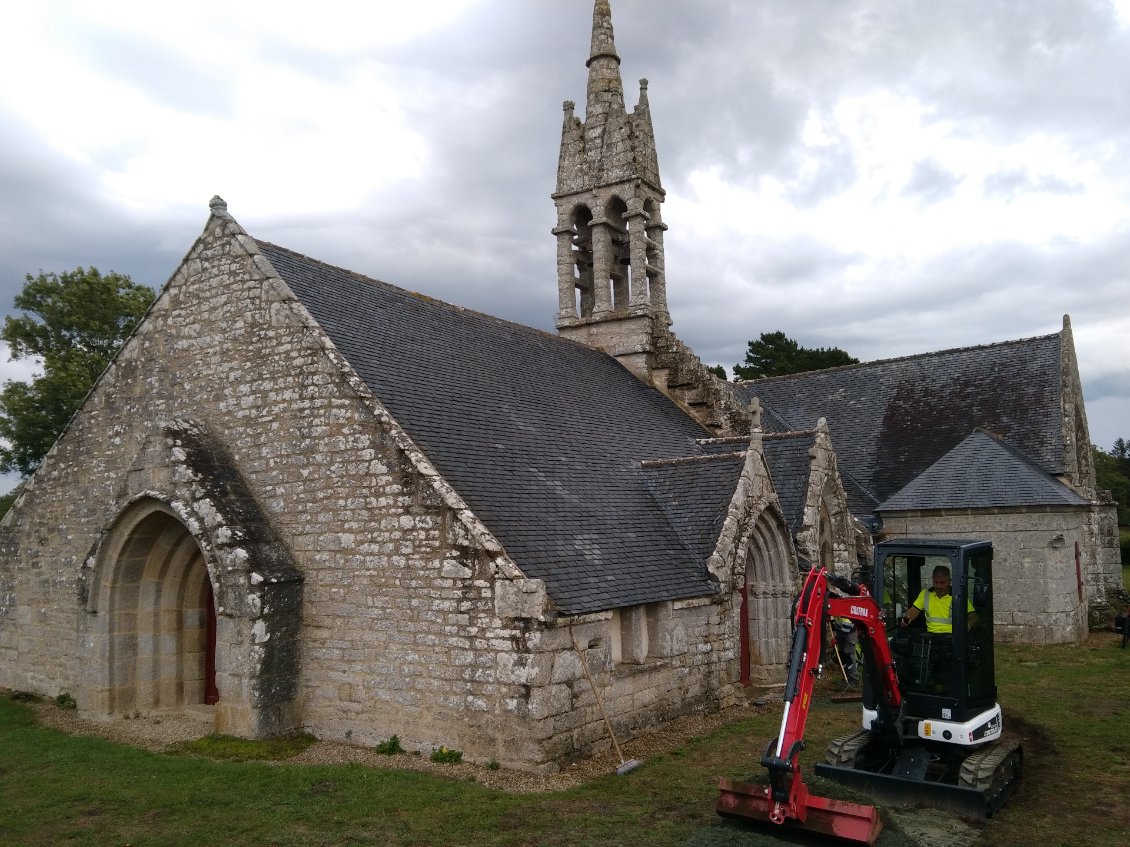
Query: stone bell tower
(611,287)
(610,282)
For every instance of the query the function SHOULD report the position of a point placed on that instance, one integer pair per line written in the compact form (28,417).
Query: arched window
(583,261)
(620,257)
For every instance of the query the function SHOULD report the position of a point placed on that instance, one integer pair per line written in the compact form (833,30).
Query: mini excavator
(932,727)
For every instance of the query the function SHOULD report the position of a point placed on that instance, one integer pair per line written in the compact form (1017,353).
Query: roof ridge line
(998,443)
(792,433)
(863,488)
(1003,443)
(690,460)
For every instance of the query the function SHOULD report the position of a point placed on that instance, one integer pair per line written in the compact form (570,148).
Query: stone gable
(397,578)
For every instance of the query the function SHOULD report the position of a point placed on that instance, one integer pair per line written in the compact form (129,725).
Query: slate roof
(890,420)
(980,473)
(786,454)
(861,502)
(542,437)
(694,495)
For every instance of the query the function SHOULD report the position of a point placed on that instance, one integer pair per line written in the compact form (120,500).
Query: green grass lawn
(61,790)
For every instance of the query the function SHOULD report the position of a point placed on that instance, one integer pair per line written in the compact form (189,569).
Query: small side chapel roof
(542,437)
(981,473)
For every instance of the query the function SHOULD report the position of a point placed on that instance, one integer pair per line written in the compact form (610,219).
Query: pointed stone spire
(644,105)
(603,39)
(605,88)
(571,159)
(647,160)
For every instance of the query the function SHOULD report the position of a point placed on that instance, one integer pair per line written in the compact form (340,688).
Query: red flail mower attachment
(786,799)
(839,819)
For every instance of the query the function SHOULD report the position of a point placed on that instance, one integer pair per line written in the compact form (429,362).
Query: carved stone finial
(755,414)
(568,106)
(643,84)
(218,206)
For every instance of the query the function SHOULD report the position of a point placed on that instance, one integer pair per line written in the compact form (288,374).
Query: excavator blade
(897,791)
(968,802)
(823,815)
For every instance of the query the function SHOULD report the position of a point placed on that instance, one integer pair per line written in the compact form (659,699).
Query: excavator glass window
(924,659)
(947,650)
(978,588)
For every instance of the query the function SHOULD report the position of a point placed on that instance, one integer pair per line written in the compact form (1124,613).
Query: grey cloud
(798,260)
(834,173)
(175,81)
(53,218)
(1109,385)
(747,131)
(930,182)
(999,68)
(974,296)
(1014,183)
(1011,69)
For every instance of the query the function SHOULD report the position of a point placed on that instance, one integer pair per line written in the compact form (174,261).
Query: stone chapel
(288,505)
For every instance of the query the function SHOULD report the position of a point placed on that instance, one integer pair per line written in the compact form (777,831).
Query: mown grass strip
(57,789)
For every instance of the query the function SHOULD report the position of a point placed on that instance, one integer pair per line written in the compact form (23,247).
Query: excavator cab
(944,675)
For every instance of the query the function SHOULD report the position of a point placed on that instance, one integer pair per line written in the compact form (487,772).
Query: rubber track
(844,751)
(992,770)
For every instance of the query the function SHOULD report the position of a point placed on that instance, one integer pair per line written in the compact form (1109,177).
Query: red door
(211,693)
(743,639)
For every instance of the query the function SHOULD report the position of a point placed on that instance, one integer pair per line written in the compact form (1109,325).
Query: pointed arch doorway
(766,602)
(162,614)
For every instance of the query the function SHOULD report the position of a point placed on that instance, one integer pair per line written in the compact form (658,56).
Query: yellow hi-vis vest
(938,611)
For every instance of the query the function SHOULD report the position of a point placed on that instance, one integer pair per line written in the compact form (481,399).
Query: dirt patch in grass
(232,749)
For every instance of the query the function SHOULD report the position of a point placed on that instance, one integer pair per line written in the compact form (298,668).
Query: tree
(73,323)
(718,371)
(1112,472)
(775,354)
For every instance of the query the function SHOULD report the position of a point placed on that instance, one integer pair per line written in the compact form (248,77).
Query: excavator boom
(786,800)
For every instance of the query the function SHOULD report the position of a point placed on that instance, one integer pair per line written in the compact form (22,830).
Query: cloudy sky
(887,176)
